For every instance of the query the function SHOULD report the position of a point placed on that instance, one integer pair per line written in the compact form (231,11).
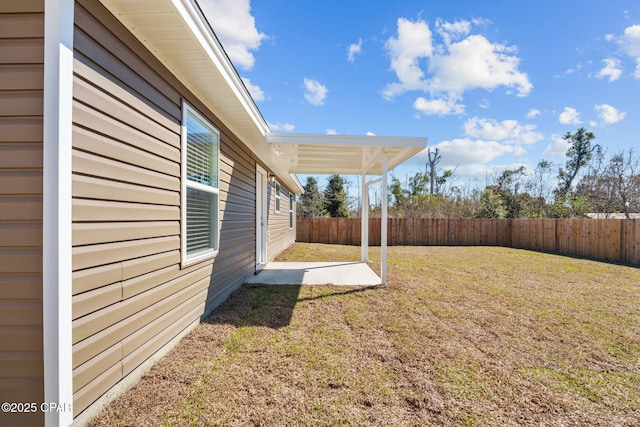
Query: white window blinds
(201,152)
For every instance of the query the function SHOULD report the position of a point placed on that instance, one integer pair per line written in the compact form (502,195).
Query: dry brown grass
(460,336)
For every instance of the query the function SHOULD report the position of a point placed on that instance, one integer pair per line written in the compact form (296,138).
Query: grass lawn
(460,336)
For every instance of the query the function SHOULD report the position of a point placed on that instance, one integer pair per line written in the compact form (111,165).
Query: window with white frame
(278,190)
(200,186)
(290,210)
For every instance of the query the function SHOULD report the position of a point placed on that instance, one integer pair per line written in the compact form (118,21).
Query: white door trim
(261,217)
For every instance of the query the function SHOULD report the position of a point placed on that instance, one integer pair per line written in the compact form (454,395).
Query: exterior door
(261,217)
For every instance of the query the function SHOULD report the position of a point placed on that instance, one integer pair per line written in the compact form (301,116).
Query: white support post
(383,222)
(364,220)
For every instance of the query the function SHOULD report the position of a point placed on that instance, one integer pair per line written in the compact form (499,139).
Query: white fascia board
(296,181)
(201,30)
(56,242)
(364,140)
(196,25)
(403,156)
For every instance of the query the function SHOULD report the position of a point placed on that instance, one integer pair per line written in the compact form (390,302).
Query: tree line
(589,181)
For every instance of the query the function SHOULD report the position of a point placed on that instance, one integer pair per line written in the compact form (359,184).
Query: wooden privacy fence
(606,239)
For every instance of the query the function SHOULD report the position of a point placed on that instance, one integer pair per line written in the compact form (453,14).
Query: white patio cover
(349,155)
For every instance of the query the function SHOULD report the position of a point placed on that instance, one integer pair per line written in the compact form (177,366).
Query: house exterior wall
(21,178)
(280,234)
(131,296)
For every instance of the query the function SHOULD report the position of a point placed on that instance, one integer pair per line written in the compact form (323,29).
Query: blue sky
(493,84)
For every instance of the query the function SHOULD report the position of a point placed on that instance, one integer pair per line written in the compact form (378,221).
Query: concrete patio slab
(316,273)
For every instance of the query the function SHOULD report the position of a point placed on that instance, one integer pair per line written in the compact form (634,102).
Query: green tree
(335,197)
(509,184)
(579,153)
(441,180)
(418,184)
(596,187)
(311,203)
(491,204)
(399,194)
(573,205)
(538,186)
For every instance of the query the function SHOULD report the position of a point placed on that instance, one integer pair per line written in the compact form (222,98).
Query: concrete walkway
(316,273)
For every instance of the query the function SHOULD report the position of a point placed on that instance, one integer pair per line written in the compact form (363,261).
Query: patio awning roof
(349,155)
(340,154)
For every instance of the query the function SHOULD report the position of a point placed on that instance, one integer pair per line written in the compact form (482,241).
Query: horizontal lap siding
(21,80)
(131,296)
(21,107)
(279,235)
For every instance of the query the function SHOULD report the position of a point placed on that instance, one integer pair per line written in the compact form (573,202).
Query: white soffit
(343,154)
(177,33)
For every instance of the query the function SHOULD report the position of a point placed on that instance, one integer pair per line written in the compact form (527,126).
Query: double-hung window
(200,187)
(278,190)
(290,210)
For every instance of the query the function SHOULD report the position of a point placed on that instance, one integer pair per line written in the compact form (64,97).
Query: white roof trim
(346,154)
(353,140)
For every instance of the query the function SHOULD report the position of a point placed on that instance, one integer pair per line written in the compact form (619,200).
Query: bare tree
(538,186)
(434,159)
(624,172)
(596,186)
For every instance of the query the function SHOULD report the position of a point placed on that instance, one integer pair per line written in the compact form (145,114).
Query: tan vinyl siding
(279,235)
(130,294)
(21,106)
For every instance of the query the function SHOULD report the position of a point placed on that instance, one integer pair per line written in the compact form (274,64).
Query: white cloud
(467,151)
(507,131)
(611,70)
(569,117)
(283,127)
(315,92)
(235,27)
(353,50)
(630,43)
(533,113)
(482,22)
(609,114)
(475,63)
(440,107)
(331,132)
(370,133)
(557,148)
(453,67)
(452,30)
(256,93)
(414,42)
(575,69)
